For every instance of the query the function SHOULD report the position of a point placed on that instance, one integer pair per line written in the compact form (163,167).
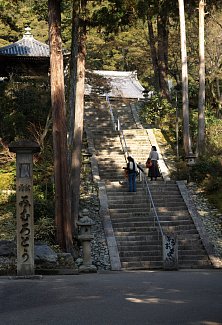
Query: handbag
(148,163)
(126,173)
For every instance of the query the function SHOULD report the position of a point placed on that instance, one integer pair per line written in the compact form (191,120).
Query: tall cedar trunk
(186,127)
(201,101)
(153,53)
(159,53)
(163,52)
(62,201)
(78,124)
(73,79)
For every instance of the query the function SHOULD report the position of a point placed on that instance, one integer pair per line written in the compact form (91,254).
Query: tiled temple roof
(27,46)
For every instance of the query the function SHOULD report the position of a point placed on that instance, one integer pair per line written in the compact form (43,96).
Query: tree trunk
(62,199)
(73,78)
(162,20)
(78,124)
(185,99)
(153,53)
(201,101)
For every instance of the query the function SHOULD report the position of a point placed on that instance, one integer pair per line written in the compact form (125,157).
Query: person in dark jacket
(132,170)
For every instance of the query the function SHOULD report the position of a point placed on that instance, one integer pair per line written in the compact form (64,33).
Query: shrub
(207,172)
(45,230)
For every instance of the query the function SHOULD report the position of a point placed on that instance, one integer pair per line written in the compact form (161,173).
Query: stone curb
(104,210)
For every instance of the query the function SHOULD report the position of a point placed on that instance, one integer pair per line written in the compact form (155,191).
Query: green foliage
(120,52)
(181,172)
(207,171)
(6,180)
(216,199)
(15,16)
(213,135)
(156,110)
(7,223)
(44,230)
(43,208)
(43,188)
(43,193)
(22,104)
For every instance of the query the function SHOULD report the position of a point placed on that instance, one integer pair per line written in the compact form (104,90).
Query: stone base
(87,269)
(170,266)
(25,277)
(56,271)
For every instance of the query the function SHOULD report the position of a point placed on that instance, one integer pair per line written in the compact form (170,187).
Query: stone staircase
(138,240)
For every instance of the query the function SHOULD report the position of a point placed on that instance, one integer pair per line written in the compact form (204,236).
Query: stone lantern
(24,150)
(191,160)
(85,236)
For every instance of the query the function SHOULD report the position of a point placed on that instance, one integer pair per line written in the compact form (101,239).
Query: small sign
(24,171)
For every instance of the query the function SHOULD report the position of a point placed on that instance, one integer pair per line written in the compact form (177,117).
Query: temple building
(26,57)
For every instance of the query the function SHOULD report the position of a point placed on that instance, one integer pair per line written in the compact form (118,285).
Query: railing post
(118,124)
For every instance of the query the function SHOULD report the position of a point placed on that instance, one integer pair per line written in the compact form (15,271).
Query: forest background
(119,37)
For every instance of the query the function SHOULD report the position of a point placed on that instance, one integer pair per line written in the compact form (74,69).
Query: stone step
(194,264)
(186,253)
(124,234)
(140,258)
(125,192)
(141,205)
(137,209)
(118,211)
(140,247)
(144,253)
(120,197)
(138,238)
(142,218)
(125,199)
(143,232)
(161,210)
(115,190)
(142,265)
(176,225)
(127,204)
(170,197)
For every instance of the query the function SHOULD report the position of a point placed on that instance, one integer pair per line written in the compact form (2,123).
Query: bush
(45,230)
(213,135)
(207,172)
(155,110)
(43,208)
(181,172)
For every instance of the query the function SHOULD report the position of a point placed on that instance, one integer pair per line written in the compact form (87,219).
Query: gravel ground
(211,217)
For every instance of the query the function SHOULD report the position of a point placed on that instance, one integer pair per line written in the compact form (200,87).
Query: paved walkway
(128,298)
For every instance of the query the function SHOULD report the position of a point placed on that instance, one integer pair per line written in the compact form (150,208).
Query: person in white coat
(154,170)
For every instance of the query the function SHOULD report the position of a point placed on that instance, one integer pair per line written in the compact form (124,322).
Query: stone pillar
(170,251)
(24,150)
